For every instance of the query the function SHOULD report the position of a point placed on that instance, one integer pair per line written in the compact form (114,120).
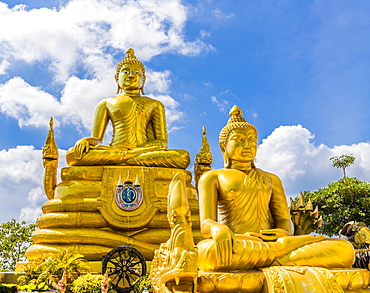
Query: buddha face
(131,77)
(241,145)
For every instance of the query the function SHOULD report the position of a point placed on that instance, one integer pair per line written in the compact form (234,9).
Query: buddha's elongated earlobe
(142,87)
(119,90)
(226,161)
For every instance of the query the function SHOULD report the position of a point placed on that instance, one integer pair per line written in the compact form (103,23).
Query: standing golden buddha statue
(139,126)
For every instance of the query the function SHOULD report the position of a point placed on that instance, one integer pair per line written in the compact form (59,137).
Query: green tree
(15,238)
(343,162)
(347,199)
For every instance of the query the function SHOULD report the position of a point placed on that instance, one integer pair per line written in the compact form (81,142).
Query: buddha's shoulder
(125,98)
(272,176)
(110,100)
(151,100)
(221,173)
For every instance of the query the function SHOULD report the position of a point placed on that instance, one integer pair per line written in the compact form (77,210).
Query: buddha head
(130,73)
(238,139)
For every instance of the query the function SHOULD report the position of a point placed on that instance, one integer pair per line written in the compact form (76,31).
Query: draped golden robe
(261,205)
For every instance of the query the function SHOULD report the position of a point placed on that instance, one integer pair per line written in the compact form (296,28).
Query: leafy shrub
(44,274)
(8,288)
(15,238)
(142,283)
(88,284)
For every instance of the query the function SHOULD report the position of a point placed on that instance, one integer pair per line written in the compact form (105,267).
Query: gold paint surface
(83,214)
(139,127)
(247,226)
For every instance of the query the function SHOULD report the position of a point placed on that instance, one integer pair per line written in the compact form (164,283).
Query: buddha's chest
(240,186)
(129,109)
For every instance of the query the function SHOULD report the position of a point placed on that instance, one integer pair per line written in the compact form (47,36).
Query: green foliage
(142,283)
(8,288)
(32,287)
(15,238)
(347,199)
(343,162)
(89,284)
(45,273)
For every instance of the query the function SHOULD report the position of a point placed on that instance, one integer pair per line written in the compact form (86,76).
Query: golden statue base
(175,267)
(285,279)
(85,216)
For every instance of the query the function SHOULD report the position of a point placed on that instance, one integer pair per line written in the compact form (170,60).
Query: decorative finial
(119,182)
(50,161)
(204,156)
(203,159)
(50,150)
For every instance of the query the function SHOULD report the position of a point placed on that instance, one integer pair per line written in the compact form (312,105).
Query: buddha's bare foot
(288,244)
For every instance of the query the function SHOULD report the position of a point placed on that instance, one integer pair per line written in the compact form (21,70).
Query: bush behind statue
(347,199)
(88,284)
(44,274)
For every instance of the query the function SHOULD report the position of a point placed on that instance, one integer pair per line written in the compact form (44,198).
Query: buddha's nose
(245,142)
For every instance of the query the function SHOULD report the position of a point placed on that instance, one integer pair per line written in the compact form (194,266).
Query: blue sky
(299,70)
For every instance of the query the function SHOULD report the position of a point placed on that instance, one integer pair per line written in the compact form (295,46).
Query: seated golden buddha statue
(88,210)
(139,127)
(245,219)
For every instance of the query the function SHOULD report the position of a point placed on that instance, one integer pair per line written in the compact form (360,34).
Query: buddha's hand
(83,145)
(224,243)
(273,234)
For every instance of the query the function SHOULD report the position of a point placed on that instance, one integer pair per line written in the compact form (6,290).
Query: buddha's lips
(245,153)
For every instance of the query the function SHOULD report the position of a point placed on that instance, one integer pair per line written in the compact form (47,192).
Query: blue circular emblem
(129,195)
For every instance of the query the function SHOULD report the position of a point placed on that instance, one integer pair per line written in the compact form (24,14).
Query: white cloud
(21,164)
(290,153)
(85,34)
(222,15)
(223,105)
(31,212)
(29,105)
(32,106)
(84,28)
(157,81)
(204,34)
(4,65)
(21,176)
